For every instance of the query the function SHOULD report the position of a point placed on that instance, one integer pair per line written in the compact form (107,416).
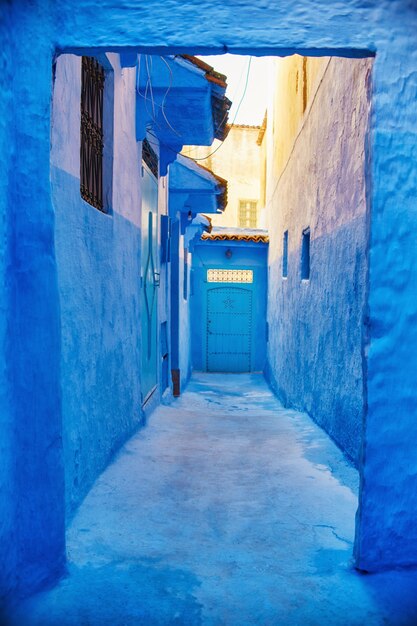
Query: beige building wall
(238,160)
(262,143)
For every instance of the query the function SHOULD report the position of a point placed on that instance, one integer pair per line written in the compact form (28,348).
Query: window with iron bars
(92,139)
(247,214)
(150,157)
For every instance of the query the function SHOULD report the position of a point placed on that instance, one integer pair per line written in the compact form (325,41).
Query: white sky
(235,67)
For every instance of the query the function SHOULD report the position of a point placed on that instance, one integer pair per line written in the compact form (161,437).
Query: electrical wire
(145,95)
(234,119)
(227,112)
(166,95)
(231,126)
(150,85)
(147,100)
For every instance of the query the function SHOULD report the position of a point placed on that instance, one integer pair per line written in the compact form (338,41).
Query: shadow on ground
(227,509)
(116,593)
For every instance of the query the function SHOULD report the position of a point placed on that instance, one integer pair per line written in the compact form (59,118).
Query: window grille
(150,157)
(91,164)
(247,213)
(229,276)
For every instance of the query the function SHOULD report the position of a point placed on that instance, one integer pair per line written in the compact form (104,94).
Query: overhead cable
(234,119)
(231,126)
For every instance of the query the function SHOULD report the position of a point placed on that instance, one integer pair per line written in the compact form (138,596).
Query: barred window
(150,157)
(91,164)
(248,214)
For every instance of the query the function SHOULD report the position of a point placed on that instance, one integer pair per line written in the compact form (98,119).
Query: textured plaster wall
(317,180)
(98,260)
(386,533)
(8,536)
(32,540)
(386,530)
(238,161)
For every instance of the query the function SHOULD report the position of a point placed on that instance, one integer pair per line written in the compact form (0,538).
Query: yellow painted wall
(296,82)
(238,160)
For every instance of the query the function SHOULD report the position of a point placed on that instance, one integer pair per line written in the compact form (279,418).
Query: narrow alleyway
(225,509)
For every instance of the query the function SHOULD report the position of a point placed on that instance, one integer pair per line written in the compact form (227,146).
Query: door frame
(155,231)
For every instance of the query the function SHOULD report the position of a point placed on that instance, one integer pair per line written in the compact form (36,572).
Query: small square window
(285,255)
(305,255)
(247,216)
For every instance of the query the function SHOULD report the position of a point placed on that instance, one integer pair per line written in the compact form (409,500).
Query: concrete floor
(225,509)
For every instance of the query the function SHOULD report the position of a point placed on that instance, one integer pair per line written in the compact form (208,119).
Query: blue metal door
(229,329)
(149,312)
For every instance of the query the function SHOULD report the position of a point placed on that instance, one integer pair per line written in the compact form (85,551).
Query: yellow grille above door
(229,276)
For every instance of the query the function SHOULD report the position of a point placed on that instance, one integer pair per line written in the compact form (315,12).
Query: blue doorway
(228,303)
(150,283)
(229,329)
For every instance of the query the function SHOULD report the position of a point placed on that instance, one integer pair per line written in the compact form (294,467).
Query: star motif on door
(228,303)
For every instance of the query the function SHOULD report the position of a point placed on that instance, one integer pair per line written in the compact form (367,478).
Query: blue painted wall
(211,255)
(32,32)
(32,540)
(317,326)
(98,257)
(8,534)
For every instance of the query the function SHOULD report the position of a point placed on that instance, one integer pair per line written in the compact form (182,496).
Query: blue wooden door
(149,311)
(229,329)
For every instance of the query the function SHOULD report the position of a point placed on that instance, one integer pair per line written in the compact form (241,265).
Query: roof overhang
(181,102)
(244,235)
(194,189)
